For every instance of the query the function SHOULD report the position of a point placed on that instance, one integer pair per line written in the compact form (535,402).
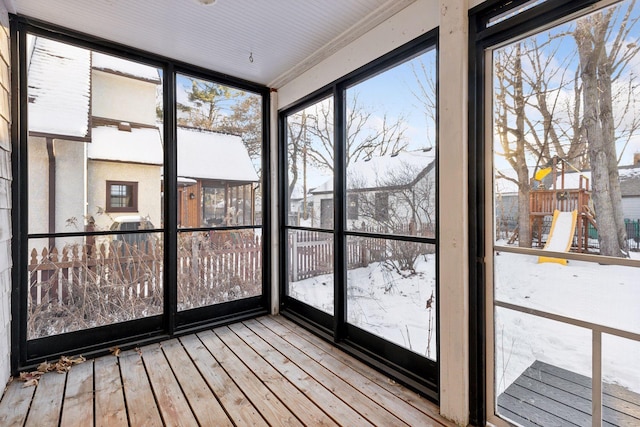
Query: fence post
(294,258)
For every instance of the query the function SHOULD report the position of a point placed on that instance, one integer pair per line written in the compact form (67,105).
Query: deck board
(204,403)
(110,409)
(78,396)
(373,390)
(15,403)
(355,398)
(235,403)
(265,371)
(271,408)
(303,408)
(172,403)
(141,405)
(321,396)
(420,403)
(546,389)
(47,401)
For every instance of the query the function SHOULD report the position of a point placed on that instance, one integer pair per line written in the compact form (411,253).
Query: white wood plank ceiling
(283,37)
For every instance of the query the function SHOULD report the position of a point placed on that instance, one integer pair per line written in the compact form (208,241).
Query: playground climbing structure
(544,200)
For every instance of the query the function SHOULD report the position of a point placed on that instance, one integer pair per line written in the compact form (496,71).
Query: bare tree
(510,101)
(366,136)
(409,192)
(604,50)
(553,101)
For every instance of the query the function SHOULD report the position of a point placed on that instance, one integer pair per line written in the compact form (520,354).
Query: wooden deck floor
(546,395)
(266,371)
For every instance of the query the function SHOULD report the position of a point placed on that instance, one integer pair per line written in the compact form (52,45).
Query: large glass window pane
(620,380)
(310,153)
(219,154)
(602,294)
(391,291)
(565,175)
(310,270)
(537,365)
(218,266)
(93,281)
(566,135)
(95,164)
(390,150)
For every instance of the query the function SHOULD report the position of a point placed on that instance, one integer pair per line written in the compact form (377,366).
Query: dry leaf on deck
(31,382)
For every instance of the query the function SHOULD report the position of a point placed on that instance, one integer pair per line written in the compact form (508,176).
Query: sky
(562,54)
(392,92)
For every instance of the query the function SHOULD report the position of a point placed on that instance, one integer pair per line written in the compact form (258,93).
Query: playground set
(571,209)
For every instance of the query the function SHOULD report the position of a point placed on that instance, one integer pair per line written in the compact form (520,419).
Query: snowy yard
(383,302)
(600,294)
(394,307)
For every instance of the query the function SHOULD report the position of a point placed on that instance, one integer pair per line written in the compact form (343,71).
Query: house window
(352,206)
(382,206)
(122,196)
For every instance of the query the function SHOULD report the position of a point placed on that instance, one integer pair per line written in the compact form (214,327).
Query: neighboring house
(385,193)
(217,181)
(94,144)
(95,148)
(59,108)
(629,187)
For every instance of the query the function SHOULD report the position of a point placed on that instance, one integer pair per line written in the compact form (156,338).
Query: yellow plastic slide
(560,237)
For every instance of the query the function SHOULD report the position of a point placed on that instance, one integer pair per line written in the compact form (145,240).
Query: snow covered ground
(600,294)
(393,306)
(383,302)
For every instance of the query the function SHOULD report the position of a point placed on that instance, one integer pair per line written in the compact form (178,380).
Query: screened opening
(132,219)
(561,136)
(360,198)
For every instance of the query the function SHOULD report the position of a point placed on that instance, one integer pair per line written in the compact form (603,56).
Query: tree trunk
(609,139)
(590,36)
(522,170)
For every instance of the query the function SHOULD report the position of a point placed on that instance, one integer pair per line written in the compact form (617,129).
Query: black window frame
(27,354)
(483,35)
(412,370)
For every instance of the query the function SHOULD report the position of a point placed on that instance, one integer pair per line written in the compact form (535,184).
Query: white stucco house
(96,149)
(386,193)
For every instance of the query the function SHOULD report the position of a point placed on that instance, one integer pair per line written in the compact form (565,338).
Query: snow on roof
(138,146)
(211,155)
(629,180)
(100,61)
(59,88)
(383,171)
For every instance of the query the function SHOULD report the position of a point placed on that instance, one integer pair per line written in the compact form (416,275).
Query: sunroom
(375,212)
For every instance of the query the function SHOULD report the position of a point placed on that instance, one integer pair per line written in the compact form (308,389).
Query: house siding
(631,208)
(5,199)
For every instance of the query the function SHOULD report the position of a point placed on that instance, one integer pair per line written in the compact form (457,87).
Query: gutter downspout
(52,190)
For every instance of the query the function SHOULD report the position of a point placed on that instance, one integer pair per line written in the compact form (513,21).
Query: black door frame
(413,370)
(96,341)
(483,35)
